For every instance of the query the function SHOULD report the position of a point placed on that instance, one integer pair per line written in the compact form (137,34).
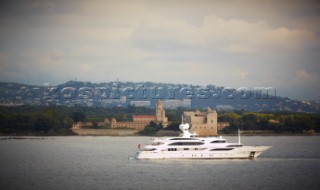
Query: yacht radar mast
(239,139)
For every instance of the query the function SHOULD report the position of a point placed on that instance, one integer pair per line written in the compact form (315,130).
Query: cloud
(57,54)
(234,36)
(241,74)
(302,74)
(239,48)
(3,57)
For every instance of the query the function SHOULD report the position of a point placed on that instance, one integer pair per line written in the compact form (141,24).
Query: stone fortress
(141,121)
(202,123)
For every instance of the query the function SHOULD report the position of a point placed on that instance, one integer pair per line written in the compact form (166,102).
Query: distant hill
(124,94)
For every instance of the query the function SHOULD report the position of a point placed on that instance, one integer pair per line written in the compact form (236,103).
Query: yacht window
(221,149)
(235,145)
(218,141)
(175,139)
(186,143)
(186,149)
(199,149)
(157,143)
(172,149)
(150,149)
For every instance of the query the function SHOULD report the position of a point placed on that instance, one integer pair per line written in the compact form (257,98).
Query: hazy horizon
(244,43)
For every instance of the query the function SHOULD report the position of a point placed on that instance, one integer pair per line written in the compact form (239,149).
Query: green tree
(174,126)
(121,117)
(78,116)
(151,129)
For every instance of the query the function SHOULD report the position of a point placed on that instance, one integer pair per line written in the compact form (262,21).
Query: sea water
(293,162)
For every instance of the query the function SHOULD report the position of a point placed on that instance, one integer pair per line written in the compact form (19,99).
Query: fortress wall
(105,132)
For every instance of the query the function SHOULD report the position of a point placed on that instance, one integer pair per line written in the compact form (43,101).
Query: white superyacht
(188,146)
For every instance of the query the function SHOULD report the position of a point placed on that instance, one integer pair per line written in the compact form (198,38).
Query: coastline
(131,132)
(271,133)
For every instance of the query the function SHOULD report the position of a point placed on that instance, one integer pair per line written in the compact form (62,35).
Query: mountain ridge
(116,93)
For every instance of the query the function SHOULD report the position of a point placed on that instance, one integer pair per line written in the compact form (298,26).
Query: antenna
(239,140)
(182,119)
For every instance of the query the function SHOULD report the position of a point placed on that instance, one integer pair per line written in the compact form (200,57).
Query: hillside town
(69,94)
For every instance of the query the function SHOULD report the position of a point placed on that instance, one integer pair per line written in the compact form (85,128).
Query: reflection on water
(293,162)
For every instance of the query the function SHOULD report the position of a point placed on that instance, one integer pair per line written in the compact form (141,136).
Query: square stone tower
(161,114)
(202,123)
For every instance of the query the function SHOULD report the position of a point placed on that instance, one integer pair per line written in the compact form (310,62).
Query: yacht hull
(245,152)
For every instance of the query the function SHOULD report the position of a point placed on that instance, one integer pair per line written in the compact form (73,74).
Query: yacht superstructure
(191,147)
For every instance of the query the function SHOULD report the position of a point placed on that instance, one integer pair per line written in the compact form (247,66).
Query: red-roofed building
(143,118)
(140,121)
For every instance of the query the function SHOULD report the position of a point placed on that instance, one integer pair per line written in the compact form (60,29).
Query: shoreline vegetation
(167,133)
(58,120)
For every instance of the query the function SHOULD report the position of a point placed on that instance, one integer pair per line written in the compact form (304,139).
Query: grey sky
(227,43)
